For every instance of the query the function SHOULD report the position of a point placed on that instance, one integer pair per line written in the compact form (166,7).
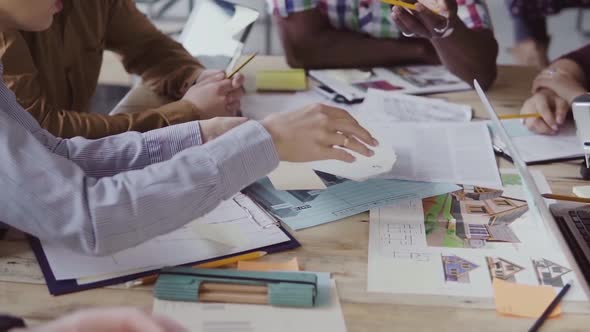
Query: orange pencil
(149,280)
(519,116)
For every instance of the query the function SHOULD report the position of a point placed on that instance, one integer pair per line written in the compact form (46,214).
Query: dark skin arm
(311,42)
(468,53)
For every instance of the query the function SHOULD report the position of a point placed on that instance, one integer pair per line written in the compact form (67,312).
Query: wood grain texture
(339,247)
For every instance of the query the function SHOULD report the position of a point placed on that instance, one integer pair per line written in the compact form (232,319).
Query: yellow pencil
(210,265)
(237,70)
(400,3)
(519,116)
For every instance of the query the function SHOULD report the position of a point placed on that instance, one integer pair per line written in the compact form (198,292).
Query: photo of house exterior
(549,273)
(456,269)
(503,269)
(471,218)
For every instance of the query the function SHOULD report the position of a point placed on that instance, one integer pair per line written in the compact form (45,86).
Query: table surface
(339,247)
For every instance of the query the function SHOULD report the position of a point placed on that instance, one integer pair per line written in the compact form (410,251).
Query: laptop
(216,32)
(569,222)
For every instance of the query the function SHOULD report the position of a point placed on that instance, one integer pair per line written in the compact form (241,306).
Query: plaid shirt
(373,17)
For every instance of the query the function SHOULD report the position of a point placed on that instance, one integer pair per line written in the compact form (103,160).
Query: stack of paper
(536,148)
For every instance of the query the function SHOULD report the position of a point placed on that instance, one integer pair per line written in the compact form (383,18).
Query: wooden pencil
(567,198)
(519,116)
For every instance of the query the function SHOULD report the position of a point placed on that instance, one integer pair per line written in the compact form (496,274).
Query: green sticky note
(281,80)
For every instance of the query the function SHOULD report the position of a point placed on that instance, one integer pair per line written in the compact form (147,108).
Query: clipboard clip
(329,93)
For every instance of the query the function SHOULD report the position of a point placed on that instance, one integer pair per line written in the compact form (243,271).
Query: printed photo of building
(456,269)
(471,218)
(503,269)
(549,273)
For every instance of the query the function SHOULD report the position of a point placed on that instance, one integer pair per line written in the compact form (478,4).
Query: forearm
(344,49)
(129,151)
(577,63)
(469,54)
(101,216)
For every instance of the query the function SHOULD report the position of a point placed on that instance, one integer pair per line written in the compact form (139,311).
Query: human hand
(212,128)
(318,132)
(432,19)
(552,108)
(112,320)
(561,83)
(216,96)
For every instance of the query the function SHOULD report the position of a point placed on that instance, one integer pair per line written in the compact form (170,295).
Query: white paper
(447,153)
(257,106)
(217,317)
(295,176)
(387,107)
(539,148)
(182,246)
(406,251)
(363,167)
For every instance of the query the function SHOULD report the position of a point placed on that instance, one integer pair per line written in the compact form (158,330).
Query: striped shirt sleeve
(103,196)
(475,14)
(285,8)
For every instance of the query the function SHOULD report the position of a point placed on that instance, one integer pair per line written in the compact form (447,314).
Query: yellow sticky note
(292,265)
(295,176)
(281,80)
(523,300)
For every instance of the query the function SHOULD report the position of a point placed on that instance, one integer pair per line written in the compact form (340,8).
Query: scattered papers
(387,107)
(353,84)
(292,265)
(295,176)
(182,246)
(281,80)
(207,317)
(536,148)
(582,191)
(343,198)
(523,300)
(445,153)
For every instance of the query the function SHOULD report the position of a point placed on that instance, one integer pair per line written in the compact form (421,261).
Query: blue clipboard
(61,287)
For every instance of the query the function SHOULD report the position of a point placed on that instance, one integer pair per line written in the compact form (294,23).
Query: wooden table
(339,247)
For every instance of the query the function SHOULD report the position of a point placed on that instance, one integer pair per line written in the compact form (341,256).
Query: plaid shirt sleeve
(475,14)
(285,8)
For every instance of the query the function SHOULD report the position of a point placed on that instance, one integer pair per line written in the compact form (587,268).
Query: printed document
(445,153)
(235,226)
(387,107)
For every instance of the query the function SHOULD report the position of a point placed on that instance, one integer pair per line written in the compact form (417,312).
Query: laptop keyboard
(581,219)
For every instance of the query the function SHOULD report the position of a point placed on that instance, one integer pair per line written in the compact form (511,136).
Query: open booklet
(353,84)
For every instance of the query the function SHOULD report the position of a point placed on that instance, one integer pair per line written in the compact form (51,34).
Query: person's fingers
(168,325)
(352,143)
(353,128)
(546,111)
(412,24)
(222,88)
(211,78)
(430,20)
(328,153)
(395,12)
(238,80)
(233,109)
(539,126)
(562,108)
